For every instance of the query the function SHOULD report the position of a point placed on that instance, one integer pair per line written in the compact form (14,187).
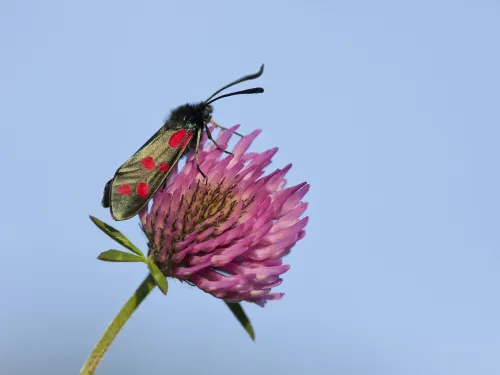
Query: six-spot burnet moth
(138,179)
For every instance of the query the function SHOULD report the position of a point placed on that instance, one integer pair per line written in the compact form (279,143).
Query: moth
(140,177)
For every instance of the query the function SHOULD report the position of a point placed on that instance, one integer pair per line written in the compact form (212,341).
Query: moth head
(207,113)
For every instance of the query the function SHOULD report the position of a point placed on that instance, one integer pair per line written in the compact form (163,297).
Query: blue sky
(388,109)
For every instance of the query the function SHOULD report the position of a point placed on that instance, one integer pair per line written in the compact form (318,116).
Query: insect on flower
(228,235)
(140,177)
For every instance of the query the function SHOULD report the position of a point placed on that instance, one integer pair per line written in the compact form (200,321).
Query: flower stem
(116,325)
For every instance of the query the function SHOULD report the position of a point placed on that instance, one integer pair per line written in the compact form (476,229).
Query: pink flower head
(227,234)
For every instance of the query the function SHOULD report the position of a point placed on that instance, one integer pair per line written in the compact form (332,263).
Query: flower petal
(227,234)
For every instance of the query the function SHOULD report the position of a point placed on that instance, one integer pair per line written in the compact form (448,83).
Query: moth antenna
(255,90)
(223,128)
(209,134)
(242,79)
(198,137)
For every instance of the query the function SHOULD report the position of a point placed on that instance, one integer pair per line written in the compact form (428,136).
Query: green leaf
(119,256)
(160,279)
(117,236)
(242,318)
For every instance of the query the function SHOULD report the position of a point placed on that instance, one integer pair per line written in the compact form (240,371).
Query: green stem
(116,325)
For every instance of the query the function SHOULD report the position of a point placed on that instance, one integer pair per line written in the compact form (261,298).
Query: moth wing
(138,179)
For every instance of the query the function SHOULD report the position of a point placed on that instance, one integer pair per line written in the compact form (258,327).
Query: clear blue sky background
(390,109)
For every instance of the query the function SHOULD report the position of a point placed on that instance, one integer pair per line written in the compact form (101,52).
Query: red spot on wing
(148,163)
(163,167)
(124,189)
(186,141)
(176,138)
(142,189)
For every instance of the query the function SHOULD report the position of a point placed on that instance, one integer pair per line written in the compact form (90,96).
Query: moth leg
(198,137)
(213,140)
(223,128)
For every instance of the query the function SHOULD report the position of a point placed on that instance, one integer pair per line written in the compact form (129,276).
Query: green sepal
(242,318)
(159,277)
(120,256)
(116,235)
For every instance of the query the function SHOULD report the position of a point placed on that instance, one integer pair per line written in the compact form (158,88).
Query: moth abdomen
(105,194)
